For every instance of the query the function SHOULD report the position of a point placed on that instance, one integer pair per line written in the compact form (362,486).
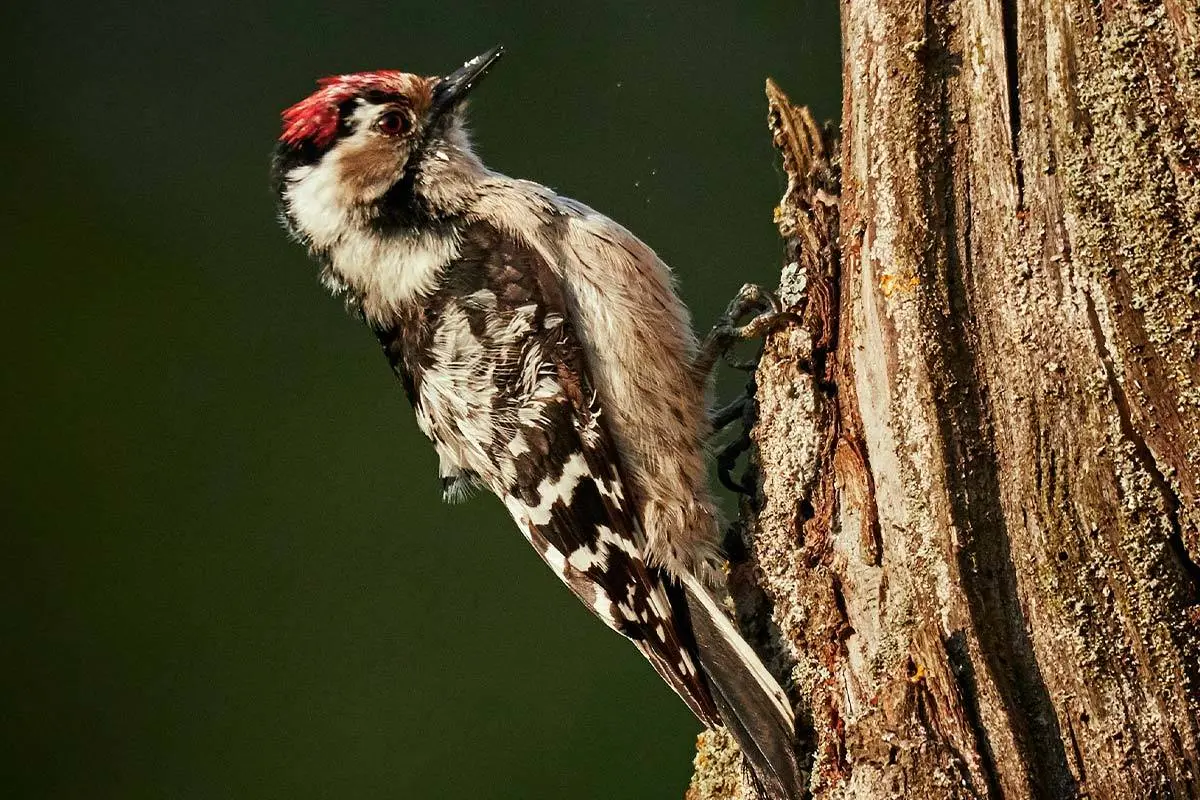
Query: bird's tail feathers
(755,709)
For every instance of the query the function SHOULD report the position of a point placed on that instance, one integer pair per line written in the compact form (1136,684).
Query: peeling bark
(976,517)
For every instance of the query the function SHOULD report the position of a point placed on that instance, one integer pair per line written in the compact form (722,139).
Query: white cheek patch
(363,115)
(314,200)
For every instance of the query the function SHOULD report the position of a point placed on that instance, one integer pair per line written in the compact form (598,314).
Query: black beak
(453,89)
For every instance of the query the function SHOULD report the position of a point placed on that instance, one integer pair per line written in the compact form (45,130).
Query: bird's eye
(393,123)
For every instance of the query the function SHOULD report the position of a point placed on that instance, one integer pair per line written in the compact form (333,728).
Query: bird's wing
(639,346)
(501,385)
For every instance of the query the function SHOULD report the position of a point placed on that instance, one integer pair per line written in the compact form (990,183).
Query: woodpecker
(550,361)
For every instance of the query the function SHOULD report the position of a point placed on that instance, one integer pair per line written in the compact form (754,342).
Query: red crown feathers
(315,118)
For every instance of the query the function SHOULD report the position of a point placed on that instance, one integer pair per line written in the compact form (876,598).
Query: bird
(549,359)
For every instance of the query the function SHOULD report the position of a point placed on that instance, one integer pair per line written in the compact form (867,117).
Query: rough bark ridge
(976,523)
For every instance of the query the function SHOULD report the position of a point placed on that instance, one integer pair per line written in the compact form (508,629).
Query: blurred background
(229,573)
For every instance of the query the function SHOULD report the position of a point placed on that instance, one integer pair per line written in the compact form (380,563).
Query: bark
(975,523)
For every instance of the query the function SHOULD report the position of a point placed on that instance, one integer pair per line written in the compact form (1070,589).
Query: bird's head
(371,146)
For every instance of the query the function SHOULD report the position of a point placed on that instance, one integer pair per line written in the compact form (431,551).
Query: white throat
(384,272)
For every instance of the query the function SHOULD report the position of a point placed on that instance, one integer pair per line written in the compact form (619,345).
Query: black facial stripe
(286,158)
(400,206)
(377,97)
(345,120)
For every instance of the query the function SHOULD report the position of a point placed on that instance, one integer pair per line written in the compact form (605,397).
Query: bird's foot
(740,410)
(767,313)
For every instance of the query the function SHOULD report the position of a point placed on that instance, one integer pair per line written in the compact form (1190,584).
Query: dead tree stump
(975,525)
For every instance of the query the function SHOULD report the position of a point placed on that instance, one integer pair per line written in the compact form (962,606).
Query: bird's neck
(385,274)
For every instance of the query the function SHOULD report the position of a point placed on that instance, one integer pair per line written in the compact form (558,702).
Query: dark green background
(229,572)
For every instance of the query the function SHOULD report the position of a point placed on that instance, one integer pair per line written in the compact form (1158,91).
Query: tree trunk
(975,521)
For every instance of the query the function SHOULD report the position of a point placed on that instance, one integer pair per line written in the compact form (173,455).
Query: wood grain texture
(977,517)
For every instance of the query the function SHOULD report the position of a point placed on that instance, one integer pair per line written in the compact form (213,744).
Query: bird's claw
(721,418)
(765,315)
(768,315)
(727,458)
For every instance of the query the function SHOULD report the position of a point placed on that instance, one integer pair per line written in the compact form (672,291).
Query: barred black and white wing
(499,382)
